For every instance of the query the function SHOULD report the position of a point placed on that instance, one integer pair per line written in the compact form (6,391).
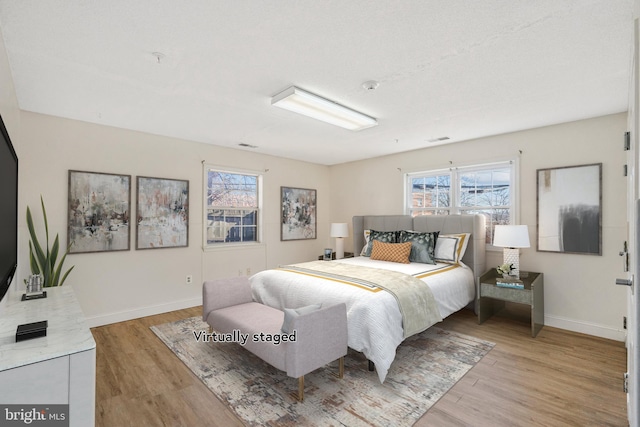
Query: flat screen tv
(8,210)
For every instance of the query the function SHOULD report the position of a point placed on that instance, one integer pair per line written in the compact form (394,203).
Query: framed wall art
(569,217)
(162,219)
(98,212)
(298,218)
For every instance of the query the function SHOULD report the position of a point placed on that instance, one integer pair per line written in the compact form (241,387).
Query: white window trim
(455,196)
(206,247)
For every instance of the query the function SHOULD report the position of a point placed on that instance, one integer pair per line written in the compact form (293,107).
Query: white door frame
(633,221)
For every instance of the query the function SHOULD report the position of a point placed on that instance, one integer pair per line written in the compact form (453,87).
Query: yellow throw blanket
(417,304)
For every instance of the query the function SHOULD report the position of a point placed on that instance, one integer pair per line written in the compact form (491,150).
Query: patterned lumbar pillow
(423,245)
(393,252)
(382,236)
(292,313)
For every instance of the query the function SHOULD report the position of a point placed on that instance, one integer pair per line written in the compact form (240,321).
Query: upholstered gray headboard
(474,257)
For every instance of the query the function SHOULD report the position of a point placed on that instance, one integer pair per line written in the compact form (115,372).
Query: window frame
(206,246)
(454,174)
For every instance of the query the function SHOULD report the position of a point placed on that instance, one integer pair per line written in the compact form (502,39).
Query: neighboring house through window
(488,189)
(232,206)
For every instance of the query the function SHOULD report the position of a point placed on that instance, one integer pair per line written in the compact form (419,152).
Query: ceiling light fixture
(311,105)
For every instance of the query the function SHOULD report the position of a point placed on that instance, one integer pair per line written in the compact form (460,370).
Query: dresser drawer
(506,294)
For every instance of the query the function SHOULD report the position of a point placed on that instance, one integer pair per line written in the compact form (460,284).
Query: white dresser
(57,369)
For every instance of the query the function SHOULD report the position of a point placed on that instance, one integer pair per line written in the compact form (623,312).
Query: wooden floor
(559,378)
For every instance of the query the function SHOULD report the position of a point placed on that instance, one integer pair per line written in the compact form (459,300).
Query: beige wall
(8,100)
(579,290)
(114,286)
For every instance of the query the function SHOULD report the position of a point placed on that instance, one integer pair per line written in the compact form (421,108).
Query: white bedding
(374,319)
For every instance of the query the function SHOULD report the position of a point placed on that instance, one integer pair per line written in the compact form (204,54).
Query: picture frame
(98,212)
(298,214)
(328,254)
(569,209)
(162,219)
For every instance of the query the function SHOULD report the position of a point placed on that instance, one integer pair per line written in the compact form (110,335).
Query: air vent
(242,144)
(442,138)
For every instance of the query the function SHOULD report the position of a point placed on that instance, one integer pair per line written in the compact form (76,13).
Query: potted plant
(43,262)
(505,270)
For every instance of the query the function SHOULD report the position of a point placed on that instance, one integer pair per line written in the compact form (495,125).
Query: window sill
(233,246)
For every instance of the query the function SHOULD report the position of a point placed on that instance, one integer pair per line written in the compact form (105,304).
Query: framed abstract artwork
(569,217)
(162,219)
(98,212)
(298,220)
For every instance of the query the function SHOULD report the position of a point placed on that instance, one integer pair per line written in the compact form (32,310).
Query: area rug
(427,365)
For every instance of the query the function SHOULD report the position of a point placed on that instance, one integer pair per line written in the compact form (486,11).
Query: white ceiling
(462,69)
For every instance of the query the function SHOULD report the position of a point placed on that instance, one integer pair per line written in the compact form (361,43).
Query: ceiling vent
(442,138)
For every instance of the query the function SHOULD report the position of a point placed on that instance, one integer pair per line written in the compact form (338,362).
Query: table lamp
(339,230)
(511,238)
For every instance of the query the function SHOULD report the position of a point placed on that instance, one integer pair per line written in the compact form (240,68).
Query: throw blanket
(415,299)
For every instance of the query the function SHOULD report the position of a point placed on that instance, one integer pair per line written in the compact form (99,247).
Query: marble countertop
(67,332)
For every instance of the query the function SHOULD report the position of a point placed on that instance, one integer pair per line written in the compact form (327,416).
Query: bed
(378,321)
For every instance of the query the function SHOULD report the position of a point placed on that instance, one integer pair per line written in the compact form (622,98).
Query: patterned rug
(427,365)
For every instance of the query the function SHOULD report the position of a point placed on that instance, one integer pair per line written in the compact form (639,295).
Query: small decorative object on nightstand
(494,291)
(333,256)
(34,288)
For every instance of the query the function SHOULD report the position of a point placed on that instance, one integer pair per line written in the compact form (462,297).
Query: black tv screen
(8,210)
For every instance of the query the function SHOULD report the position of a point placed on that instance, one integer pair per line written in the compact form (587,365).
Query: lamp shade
(339,229)
(511,236)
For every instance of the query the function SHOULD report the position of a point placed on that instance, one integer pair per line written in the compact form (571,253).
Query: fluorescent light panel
(306,103)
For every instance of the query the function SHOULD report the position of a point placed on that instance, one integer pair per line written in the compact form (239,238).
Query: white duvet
(374,319)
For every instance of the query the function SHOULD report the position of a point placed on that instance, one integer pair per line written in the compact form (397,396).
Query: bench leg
(301,380)
(301,389)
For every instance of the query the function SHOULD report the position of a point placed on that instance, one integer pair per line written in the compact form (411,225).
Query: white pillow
(292,313)
(450,248)
(366,233)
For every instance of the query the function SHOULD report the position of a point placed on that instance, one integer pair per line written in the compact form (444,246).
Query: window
(232,207)
(482,189)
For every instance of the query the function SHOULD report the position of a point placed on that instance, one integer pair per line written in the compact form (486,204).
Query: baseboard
(553,321)
(586,328)
(121,316)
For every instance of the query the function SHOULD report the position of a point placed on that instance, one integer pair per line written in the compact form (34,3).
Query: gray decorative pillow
(383,236)
(292,313)
(423,245)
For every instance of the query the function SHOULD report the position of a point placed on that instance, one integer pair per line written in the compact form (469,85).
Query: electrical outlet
(189,279)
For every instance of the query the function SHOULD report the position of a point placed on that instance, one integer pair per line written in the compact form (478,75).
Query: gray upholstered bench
(320,335)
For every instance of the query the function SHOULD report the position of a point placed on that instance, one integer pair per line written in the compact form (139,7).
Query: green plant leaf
(54,253)
(32,261)
(42,262)
(37,249)
(66,274)
(46,223)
